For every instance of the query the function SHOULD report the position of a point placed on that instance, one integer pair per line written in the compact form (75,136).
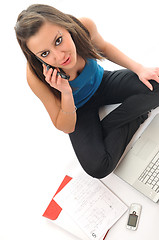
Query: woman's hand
(56,81)
(145,74)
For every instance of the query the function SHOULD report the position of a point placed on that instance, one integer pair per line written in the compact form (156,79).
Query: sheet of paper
(91,205)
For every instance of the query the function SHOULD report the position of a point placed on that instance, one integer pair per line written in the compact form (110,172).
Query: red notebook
(53,210)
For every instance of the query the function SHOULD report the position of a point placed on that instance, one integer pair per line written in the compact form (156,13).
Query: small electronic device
(134,215)
(62,74)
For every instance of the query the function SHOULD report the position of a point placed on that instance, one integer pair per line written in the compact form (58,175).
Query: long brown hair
(29,22)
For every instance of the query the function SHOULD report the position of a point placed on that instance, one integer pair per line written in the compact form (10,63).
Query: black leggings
(100,144)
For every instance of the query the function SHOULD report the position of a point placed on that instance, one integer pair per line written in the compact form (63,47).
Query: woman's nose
(59,56)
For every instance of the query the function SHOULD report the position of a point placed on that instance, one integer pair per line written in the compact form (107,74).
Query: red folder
(53,210)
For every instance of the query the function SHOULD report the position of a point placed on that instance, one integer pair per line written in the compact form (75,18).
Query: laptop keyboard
(150,175)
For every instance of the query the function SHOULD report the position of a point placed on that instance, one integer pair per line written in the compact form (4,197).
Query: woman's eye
(45,54)
(58,41)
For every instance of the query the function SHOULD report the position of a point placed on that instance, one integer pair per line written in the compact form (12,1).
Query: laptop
(140,166)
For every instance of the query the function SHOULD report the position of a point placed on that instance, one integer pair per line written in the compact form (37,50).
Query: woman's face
(54,45)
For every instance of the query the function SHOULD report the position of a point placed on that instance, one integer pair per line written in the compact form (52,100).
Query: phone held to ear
(63,75)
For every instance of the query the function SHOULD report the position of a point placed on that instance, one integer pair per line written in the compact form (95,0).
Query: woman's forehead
(44,37)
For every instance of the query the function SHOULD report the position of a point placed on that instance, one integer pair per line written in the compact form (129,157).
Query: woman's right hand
(55,81)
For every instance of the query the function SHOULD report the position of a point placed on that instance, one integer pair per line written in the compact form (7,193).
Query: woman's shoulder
(39,88)
(32,80)
(89,24)
(51,103)
(96,38)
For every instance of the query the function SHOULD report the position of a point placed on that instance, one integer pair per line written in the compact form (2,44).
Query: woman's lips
(68,60)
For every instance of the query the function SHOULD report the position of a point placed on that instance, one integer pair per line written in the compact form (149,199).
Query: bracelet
(68,112)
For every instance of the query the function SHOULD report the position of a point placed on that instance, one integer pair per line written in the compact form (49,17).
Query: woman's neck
(73,73)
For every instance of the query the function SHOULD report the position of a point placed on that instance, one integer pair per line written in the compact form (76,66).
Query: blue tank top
(86,84)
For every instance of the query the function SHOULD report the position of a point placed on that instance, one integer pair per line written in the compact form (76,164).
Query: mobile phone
(63,75)
(134,215)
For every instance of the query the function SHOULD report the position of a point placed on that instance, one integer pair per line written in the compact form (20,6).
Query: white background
(34,156)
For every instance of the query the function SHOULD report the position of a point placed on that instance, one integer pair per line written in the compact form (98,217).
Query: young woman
(73,46)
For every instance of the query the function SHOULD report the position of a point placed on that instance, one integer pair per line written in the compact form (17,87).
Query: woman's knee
(100,168)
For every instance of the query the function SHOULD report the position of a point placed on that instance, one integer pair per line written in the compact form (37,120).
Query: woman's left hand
(145,74)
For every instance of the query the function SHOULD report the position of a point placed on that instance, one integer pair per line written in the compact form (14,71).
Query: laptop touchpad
(144,149)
